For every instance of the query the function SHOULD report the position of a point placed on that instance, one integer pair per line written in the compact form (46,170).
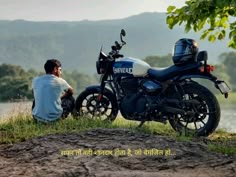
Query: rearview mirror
(123,33)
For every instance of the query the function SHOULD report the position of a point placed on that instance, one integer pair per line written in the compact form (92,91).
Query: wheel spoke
(186,124)
(203,122)
(195,125)
(207,113)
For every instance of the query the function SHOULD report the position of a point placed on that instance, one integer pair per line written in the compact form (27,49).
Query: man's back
(48,90)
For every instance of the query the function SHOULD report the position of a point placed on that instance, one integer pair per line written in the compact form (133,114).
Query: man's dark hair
(51,64)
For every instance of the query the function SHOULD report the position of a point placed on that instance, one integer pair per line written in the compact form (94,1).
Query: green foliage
(159,61)
(229,63)
(77,44)
(11,70)
(78,80)
(15,82)
(215,15)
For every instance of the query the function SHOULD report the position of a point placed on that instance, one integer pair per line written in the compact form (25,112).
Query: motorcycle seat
(163,74)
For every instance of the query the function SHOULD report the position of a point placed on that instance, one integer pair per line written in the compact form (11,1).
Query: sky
(77,10)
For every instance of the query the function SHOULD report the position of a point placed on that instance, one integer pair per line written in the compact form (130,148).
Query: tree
(11,70)
(15,82)
(78,80)
(211,17)
(12,88)
(230,65)
(159,61)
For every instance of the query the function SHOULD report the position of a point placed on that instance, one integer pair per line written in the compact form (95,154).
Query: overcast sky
(76,10)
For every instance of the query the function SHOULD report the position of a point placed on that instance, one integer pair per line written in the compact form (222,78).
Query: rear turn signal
(207,68)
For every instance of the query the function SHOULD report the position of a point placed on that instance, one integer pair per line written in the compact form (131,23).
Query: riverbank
(86,147)
(22,128)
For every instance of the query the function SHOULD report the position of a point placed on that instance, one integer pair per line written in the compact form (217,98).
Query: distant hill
(77,44)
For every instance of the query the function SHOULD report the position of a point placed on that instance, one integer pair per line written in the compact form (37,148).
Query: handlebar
(114,53)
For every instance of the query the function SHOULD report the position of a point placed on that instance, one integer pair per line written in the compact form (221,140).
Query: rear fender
(207,76)
(201,76)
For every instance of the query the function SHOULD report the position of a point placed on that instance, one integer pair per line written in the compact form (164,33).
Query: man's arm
(69,92)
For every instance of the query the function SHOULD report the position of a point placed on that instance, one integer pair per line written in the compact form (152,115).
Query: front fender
(97,88)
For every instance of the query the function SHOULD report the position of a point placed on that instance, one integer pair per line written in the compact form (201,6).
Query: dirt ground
(112,153)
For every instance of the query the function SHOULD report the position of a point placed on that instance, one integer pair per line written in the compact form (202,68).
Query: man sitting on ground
(52,94)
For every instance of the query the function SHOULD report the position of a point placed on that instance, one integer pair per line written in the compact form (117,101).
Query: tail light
(207,68)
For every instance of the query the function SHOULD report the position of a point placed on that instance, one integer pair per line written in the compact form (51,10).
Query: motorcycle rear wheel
(206,115)
(87,105)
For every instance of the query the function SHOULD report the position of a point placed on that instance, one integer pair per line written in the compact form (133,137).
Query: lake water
(227,122)
(9,109)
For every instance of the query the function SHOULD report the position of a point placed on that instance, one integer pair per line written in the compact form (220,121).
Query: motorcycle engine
(139,94)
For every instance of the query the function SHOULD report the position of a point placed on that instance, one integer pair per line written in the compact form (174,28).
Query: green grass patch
(222,142)
(22,127)
(222,148)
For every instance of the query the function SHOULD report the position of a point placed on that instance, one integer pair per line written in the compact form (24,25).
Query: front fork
(102,87)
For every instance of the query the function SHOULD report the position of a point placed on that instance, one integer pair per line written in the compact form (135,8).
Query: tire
(206,112)
(87,105)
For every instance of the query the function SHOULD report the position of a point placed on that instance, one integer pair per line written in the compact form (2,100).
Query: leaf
(217,13)
(221,36)
(204,34)
(212,38)
(232,44)
(170,9)
(170,21)
(195,27)
(232,34)
(187,27)
(223,22)
(231,12)
(201,24)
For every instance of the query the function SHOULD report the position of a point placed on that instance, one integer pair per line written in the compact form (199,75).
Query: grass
(222,148)
(222,142)
(21,127)
(231,100)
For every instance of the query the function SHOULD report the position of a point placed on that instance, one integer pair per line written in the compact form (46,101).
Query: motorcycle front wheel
(88,105)
(204,112)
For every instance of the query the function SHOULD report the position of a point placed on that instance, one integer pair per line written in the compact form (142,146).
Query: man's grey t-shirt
(48,90)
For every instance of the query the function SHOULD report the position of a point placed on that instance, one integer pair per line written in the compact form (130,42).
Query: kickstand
(141,124)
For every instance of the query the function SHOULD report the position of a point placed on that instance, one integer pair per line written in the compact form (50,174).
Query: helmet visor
(180,50)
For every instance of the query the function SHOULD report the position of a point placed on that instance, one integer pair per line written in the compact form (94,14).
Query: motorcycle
(142,93)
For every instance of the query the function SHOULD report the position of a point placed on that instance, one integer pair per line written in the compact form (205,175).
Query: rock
(112,152)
